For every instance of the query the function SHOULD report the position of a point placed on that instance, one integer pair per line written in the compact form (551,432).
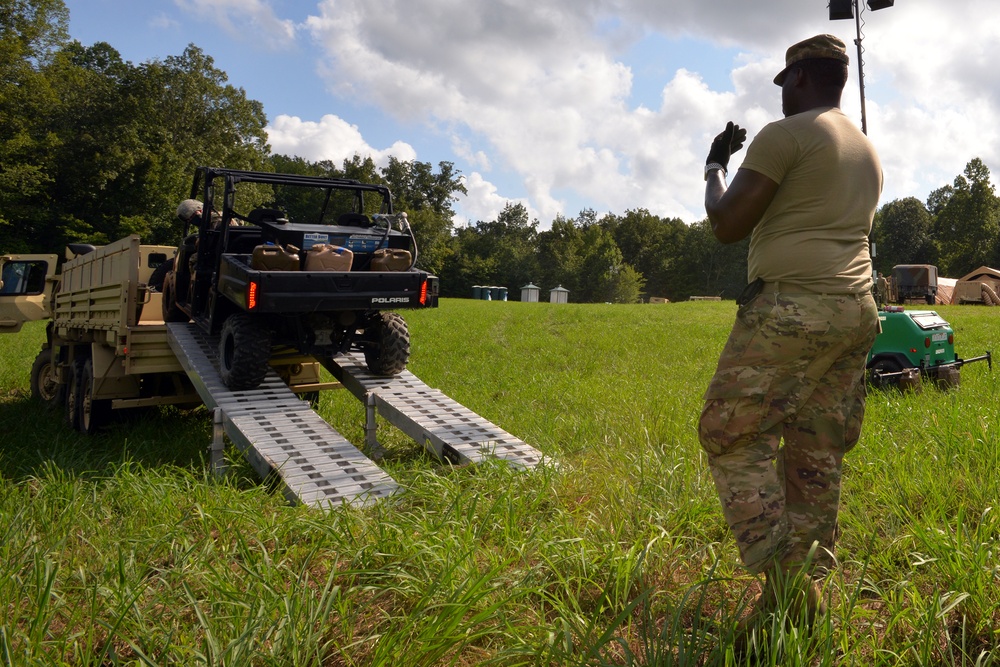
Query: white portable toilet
(529,293)
(559,295)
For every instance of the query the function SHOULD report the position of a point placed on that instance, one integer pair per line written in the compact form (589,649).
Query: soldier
(787,399)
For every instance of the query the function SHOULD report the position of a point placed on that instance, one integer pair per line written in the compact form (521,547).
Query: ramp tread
(424,412)
(316,464)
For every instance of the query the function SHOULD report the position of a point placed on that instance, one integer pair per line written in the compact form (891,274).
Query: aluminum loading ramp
(279,433)
(443,426)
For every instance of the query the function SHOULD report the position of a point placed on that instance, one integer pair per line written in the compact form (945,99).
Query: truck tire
(44,382)
(244,352)
(171,313)
(94,413)
(388,346)
(73,394)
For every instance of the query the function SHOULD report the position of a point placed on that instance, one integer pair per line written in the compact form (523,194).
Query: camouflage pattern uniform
(793,370)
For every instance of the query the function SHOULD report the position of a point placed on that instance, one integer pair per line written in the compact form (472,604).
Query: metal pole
(861,71)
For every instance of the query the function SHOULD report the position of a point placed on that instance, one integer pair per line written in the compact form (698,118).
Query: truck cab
(26,284)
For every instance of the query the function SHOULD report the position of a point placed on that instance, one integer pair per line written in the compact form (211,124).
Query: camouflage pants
(793,371)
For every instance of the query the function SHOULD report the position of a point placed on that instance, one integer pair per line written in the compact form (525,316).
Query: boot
(788,599)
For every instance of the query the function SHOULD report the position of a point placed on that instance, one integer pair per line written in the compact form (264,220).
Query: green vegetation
(124,549)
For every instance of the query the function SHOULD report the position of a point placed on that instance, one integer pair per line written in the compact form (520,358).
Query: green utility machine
(915,343)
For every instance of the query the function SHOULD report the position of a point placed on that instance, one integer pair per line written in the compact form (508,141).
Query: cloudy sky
(566,105)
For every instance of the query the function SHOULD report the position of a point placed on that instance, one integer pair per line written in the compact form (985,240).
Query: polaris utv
(291,261)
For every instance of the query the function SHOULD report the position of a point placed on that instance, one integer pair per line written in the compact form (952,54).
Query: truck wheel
(388,346)
(244,352)
(73,394)
(94,413)
(171,313)
(44,384)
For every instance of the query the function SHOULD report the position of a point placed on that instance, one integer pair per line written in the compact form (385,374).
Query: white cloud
(331,138)
(163,22)
(482,202)
(252,21)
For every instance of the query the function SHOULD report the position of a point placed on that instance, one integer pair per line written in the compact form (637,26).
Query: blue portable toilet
(477,291)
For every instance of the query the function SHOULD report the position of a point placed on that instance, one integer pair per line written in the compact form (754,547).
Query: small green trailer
(915,343)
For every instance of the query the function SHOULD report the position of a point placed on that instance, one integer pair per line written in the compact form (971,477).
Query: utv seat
(353,220)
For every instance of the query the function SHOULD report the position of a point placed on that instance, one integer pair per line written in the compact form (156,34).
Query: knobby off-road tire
(171,313)
(244,352)
(44,387)
(94,413)
(388,347)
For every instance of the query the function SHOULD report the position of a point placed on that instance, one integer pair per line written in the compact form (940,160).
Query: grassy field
(124,549)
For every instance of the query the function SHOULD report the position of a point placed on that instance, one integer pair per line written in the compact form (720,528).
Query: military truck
(914,281)
(106,344)
(244,271)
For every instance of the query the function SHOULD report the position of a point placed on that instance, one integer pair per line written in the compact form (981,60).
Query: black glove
(725,144)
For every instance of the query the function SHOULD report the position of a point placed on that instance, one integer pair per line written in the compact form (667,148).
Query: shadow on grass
(33,435)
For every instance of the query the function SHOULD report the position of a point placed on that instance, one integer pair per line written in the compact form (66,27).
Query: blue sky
(571,104)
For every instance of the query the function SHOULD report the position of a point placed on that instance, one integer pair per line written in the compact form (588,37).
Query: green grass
(123,548)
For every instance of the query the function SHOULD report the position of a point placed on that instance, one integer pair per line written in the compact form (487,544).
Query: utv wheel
(171,313)
(44,384)
(388,347)
(94,413)
(244,352)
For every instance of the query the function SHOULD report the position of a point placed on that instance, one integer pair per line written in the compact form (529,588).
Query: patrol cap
(188,208)
(820,46)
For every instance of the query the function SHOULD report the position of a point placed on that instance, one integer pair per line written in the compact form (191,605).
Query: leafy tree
(501,252)
(650,244)
(627,286)
(427,197)
(903,234)
(710,268)
(967,228)
(30,33)
(560,255)
(195,118)
(416,187)
(600,266)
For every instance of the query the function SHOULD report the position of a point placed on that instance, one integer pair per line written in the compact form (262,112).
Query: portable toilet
(529,293)
(477,291)
(503,293)
(559,295)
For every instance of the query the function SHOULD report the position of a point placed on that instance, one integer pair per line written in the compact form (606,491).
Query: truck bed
(102,298)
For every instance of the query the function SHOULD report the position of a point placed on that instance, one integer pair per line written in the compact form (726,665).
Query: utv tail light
(251,295)
(927,342)
(951,339)
(423,293)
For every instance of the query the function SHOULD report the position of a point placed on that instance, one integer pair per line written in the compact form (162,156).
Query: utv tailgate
(323,291)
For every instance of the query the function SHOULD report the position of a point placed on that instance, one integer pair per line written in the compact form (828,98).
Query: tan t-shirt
(815,232)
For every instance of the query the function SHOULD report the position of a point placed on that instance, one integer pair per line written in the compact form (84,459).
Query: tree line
(93,148)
